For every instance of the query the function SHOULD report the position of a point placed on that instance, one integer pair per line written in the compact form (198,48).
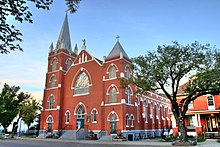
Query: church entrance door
(80,118)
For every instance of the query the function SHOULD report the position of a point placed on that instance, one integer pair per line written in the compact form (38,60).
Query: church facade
(83,92)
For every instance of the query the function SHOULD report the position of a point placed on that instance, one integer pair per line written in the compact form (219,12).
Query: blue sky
(142,25)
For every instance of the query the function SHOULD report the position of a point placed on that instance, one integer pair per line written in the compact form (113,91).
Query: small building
(83,93)
(203,115)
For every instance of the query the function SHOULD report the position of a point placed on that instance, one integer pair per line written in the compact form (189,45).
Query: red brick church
(83,93)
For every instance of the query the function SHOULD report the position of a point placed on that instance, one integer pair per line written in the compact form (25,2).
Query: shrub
(170,138)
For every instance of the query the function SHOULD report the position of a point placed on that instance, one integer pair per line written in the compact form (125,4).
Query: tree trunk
(15,127)
(179,116)
(28,127)
(5,129)
(183,131)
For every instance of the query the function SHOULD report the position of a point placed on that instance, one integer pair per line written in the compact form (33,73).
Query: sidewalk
(148,142)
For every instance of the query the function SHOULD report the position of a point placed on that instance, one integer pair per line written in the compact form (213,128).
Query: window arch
(94,115)
(51,101)
(52,81)
(49,119)
(54,64)
(82,84)
(112,116)
(67,114)
(68,63)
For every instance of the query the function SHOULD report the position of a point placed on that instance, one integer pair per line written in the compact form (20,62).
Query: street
(32,143)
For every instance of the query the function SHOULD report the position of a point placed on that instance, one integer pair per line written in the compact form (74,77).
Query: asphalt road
(30,143)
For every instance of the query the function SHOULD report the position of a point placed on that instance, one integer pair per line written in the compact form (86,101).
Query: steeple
(117,51)
(76,50)
(51,47)
(64,41)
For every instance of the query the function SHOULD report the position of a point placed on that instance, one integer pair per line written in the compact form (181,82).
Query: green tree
(29,111)
(164,69)
(10,102)
(19,10)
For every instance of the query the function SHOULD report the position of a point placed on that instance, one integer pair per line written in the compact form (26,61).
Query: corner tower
(60,60)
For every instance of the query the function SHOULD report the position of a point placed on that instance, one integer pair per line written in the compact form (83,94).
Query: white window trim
(210,107)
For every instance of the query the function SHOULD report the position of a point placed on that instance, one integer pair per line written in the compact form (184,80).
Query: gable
(83,56)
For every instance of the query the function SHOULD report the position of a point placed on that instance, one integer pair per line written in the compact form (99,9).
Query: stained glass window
(51,102)
(82,84)
(54,65)
(68,64)
(112,96)
(112,72)
(52,82)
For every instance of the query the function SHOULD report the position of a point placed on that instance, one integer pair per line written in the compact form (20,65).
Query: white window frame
(132,120)
(127,118)
(67,114)
(93,114)
(213,101)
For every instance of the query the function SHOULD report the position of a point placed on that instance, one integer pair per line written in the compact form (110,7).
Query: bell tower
(60,60)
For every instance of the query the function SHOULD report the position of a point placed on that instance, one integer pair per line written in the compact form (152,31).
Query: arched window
(52,82)
(112,72)
(51,101)
(144,110)
(158,111)
(49,122)
(80,113)
(54,65)
(82,84)
(132,120)
(128,73)
(127,120)
(94,115)
(128,95)
(113,117)
(68,64)
(162,112)
(67,116)
(112,95)
(152,111)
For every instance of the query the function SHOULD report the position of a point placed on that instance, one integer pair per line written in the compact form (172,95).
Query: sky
(141,24)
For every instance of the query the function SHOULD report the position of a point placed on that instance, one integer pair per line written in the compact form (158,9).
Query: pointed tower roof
(64,41)
(76,49)
(51,47)
(117,50)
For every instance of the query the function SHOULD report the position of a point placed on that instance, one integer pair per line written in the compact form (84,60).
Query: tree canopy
(164,69)
(10,36)
(10,102)
(29,111)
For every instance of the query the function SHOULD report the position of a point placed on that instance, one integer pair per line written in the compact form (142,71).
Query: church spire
(51,47)
(117,51)
(64,41)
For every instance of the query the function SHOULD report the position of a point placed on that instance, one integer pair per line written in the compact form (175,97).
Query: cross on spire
(117,37)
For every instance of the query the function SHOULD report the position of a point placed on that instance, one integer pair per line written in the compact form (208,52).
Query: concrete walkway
(147,142)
